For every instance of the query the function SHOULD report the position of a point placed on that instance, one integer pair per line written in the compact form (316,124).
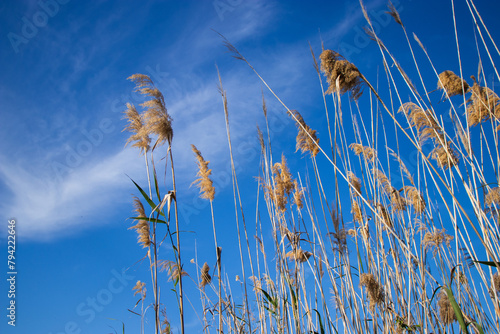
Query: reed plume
(415,198)
(298,255)
(368,153)
(374,290)
(482,105)
(452,84)
(142,226)
(205,276)
(492,197)
(340,72)
(307,141)
(157,121)
(355,183)
(140,137)
(436,239)
(446,312)
(386,219)
(357,216)
(139,288)
(203,181)
(283,184)
(445,156)
(298,195)
(423,121)
(173,269)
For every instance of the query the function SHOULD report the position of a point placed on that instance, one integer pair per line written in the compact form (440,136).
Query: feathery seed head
(423,121)
(355,183)
(357,215)
(452,84)
(446,312)
(297,195)
(203,181)
(283,184)
(298,255)
(415,198)
(136,126)
(157,121)
(495,285)
(205,276)
(341,72)
(307,141)
(394,13)
(445,156)
(436,239)
(173,270)
(139,287)
(492,197)
(374,290)
(369,153)
(482,104)
(142,226)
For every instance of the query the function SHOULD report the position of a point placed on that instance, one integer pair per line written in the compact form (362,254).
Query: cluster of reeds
(395,231)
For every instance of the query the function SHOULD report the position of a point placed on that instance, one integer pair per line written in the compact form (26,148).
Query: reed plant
(359,242)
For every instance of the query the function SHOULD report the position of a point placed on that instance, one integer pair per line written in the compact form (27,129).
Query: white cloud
(46,208)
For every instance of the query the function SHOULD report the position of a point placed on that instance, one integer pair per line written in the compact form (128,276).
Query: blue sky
(64,166)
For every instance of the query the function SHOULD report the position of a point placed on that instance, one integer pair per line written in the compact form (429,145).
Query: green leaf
(156,185)
(320,322)
(146,197)
(456,308)
(434,293)
(488,263)
(478,326)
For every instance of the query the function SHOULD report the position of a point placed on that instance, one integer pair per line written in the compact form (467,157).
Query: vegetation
(380,248)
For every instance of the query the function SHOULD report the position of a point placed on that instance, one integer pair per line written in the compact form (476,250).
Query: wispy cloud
(47,208)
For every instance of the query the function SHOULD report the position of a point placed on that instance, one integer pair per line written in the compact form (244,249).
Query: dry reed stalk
(342,74)
(452,84)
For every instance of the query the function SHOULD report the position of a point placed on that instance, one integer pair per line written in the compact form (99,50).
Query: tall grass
(361,242)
